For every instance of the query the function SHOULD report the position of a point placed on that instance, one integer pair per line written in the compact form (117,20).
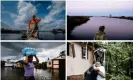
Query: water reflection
(9,73)
(10,36)
(42,74)
(55,76)
(42,36)
(116,29)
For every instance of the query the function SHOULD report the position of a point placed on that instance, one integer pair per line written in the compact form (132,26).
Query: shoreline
(122,17)
(73,21)
(107,21)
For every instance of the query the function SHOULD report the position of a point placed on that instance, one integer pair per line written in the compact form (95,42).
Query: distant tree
(44,65)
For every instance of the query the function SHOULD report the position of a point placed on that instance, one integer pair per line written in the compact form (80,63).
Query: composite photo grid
(66,39)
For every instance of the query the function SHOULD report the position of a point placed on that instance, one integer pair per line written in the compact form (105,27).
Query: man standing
(100,35)
(29,66)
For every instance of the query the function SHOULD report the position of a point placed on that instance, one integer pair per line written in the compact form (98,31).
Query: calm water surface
(116,29)
(42,36)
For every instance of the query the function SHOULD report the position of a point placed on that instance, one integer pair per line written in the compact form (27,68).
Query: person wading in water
(100,35)
(29,67)
(33,28)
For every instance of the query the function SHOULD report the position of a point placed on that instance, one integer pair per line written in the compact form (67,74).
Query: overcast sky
(13,50)
(16,14)
(100,7)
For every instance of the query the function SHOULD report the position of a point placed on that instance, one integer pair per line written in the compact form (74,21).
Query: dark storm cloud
(13,50)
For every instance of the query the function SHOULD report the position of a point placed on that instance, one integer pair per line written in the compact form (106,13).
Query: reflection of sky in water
(9,73)
(116,29)
(42,35)
(42,74)
(51,36)
(10,36)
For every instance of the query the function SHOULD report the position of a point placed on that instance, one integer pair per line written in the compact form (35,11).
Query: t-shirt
(102,69)
(29,69)
(100,36)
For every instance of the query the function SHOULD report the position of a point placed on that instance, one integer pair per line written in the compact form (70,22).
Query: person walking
(29,67)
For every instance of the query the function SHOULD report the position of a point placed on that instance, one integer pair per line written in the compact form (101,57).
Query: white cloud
(51,53)
(42,56)
(60,23)
(12,51)
(49,7)
(45,54)
(56,8)
(12,15)
(9,57)
(5,25)
(25,12)
(52,20)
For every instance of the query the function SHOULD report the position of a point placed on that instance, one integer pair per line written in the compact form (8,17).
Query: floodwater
(116,29)
(10,36)
(9,73)
(42,36)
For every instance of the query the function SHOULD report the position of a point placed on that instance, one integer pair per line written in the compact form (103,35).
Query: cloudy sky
(16,14)
(100,7)
(13,50)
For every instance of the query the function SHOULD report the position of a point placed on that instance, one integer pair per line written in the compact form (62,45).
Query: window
(71,50)
(84,52)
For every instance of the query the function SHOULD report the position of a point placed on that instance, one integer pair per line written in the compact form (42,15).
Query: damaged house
(80,56)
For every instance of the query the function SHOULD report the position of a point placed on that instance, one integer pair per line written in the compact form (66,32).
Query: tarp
(29,51)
